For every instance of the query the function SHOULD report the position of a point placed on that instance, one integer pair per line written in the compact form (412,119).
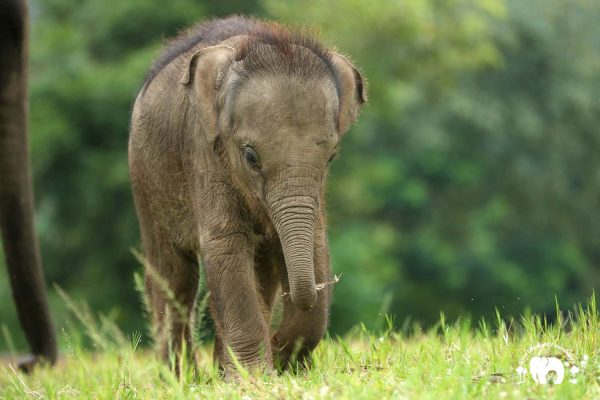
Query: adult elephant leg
(16,198)
(301,331)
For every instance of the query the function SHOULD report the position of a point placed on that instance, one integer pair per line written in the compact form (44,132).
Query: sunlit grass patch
(449,360)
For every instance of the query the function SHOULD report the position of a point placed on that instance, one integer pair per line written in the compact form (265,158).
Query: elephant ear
(204,72)
(351,91)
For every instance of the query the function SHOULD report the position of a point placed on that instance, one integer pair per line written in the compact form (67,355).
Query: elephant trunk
(294,220)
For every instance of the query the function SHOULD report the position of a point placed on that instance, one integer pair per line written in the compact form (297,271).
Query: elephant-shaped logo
(545,368)
(541,367)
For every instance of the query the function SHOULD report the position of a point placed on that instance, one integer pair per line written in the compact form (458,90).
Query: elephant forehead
(274,104)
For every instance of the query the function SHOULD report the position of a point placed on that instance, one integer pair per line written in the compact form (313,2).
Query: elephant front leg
(235,305)
(300,331)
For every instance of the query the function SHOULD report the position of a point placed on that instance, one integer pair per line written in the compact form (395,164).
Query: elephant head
(275,124)
(16,199)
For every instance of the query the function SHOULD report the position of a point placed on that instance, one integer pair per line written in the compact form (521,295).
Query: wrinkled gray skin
(257,223)
(16,196)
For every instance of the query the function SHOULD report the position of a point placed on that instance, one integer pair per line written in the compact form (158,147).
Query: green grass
(448,361)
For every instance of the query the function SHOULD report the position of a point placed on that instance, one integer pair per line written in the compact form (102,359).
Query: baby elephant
(231,138)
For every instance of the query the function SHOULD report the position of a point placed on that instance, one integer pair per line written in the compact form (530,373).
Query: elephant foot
(293,358)
(27,363)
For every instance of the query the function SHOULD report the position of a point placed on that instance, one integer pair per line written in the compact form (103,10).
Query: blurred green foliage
(472,180)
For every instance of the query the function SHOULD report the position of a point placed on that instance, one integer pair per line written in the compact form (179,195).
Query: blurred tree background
(472,180)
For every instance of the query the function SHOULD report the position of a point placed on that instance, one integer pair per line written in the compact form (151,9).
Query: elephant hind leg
(171,287)
(267,279)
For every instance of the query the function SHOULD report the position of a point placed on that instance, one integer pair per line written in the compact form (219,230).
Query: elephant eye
(251,157)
